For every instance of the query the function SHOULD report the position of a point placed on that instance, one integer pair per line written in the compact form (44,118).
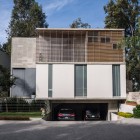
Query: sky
(60,13)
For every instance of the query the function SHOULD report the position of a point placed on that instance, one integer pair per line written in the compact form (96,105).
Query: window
(116,80)
(102,39)
(95,39)
(50,67)
(95,33)
(80,80)
(105,39)
(90,39)
(114,46)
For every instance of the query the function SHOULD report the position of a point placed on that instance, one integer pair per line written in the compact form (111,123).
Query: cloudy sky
(60,13)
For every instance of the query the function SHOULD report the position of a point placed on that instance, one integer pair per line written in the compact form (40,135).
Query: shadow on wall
(22,88)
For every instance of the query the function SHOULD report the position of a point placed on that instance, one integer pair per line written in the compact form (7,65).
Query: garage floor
(80,108)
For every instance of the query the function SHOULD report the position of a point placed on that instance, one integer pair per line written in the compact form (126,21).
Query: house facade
(72,68)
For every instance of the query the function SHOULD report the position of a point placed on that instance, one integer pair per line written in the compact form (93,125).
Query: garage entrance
(79,109)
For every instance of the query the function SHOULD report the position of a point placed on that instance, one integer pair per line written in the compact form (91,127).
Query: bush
(20,118)
(136,111)
(126,115)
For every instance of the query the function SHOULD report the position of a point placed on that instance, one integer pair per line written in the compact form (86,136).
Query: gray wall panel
(25,83)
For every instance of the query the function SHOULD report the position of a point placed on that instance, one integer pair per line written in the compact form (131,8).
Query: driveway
(88,130)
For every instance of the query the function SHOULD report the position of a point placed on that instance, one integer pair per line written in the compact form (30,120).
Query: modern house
(72,68)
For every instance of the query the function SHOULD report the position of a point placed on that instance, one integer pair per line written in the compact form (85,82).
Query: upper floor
(68,46)
(79,45)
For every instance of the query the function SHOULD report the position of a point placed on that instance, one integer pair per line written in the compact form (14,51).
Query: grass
(25,114)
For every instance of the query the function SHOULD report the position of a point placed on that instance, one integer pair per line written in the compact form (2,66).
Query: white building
(75,68)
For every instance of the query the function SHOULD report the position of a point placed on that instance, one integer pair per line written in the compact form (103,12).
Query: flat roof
(78,29)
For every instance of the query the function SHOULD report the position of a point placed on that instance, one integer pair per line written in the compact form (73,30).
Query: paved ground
(90,130)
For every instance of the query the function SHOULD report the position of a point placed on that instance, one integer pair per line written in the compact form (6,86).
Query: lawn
(25,114)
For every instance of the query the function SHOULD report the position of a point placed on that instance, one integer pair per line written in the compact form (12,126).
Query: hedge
(18,118)
(126,115)
(136,111)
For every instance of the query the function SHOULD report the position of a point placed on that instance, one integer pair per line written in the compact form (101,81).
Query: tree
(6,81)
(79,24)
(125,14)
(132,47)
(122,14)
(26,16)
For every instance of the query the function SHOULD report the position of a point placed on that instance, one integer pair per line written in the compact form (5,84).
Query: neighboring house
(4,59)
(72,68)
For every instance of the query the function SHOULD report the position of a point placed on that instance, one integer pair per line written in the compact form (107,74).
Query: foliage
(136,111)
(126,14)
(132,57)
(6,81)
(79,24)
(21,118)
(126,115)
(26,16)
(122,14)
(36,105)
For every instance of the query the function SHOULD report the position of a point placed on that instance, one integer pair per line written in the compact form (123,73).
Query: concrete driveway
(90,130)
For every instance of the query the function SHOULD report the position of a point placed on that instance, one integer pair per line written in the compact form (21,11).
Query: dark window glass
(102,39)
(107,40)
(90,39)
(116,80)
(114,46)
(50,80)
(90,33)
(95,39)
(80,80)
(95,33)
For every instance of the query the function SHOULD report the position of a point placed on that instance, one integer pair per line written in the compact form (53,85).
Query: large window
(80,80)
(116,80)
(50,67)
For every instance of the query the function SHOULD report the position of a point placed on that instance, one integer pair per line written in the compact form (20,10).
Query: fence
(21,105)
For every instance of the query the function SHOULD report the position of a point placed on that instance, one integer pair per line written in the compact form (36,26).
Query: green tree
(79,24)
(125,14)
(6,81)
(26,16)
(122,14)
(132,47)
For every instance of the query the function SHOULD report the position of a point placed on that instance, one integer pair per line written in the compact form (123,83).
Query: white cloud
(56,5)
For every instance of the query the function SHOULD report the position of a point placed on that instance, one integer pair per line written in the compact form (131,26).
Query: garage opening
(80,110)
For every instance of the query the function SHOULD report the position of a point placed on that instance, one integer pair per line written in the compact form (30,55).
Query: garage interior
(80,108)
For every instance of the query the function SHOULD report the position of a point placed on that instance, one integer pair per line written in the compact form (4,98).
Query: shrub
(20,118)
(126,115)
(136,111)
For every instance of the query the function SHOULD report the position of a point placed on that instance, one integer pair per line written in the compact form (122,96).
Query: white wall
(63,81)
(99,81)
(41,81)
(123,80)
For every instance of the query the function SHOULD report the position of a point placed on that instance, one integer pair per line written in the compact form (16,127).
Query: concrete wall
(23,53)
(99,81)
(4,59)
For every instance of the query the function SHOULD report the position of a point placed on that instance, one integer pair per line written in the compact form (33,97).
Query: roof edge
(79,29)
